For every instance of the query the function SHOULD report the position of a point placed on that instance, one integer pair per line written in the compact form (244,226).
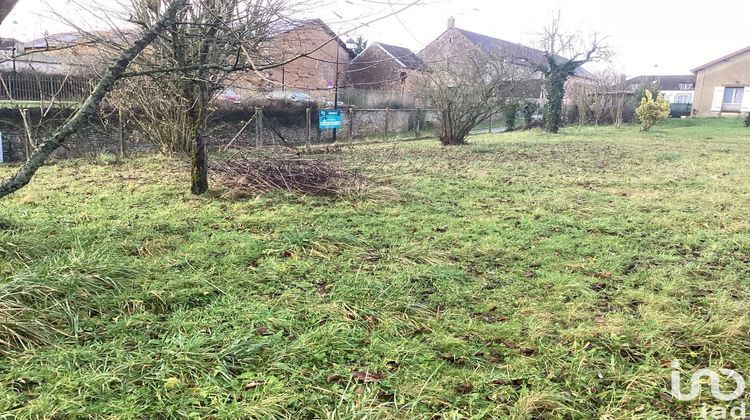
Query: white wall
(671,95)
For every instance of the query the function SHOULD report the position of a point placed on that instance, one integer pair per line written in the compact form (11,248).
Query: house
(383,66)
(311,59)
(722,87)
(677,89)
(454,42)
(61,54)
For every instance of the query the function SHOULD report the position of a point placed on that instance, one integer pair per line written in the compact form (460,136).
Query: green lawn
(524,275)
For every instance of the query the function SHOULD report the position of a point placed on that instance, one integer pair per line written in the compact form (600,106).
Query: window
(683,99)
(687,86)
(733,95)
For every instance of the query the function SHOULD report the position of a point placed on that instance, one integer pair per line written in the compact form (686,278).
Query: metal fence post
(307,127)
(387,111)
(259,125)
(351,123)
(418,128)
(121,127)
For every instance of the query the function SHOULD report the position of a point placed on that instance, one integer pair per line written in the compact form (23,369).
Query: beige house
(452,44)
(722,87)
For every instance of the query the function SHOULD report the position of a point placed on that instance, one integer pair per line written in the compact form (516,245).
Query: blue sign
(329,118)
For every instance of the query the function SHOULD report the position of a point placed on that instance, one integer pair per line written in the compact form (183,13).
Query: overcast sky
(648,36)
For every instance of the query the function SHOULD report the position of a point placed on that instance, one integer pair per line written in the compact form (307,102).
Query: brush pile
(247,177)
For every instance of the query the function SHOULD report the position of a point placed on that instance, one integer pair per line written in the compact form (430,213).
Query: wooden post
(121,126)
(418,128)
(307,127)
(28,143)
(351,124)
(490,124)
(259,126)
(387,111)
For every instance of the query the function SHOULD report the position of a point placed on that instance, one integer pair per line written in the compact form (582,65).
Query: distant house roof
(54,41)
(70,39)
(520,52)
(670,82)
(287,25)
(404,56)
(722,59)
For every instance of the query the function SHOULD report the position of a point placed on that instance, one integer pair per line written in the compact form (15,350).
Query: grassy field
(521,276)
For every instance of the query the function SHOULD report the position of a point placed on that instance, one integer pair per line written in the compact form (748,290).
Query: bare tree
(612,96)
(211,40)
(581,97)
(107,81)
(467,91)
(565,54)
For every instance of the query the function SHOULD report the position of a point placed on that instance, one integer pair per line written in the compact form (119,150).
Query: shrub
(529,110)
(510,117)
(747,120)
(570,114)
(652,111)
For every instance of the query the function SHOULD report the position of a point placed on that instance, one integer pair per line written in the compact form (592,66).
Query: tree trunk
(195,114)
(199,174)
(24,174)
(450,136)
(555,87)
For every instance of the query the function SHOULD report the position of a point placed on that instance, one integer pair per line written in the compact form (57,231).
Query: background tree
(529,111)
(564,54)
(466,92)
(582,98)
(360,44)
(617,95)
(511,114)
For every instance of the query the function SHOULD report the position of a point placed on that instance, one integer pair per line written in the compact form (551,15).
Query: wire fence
(300,127)
(43,88)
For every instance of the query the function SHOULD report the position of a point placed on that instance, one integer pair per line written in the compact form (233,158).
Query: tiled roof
(404,55)
(671,82)
(521,53)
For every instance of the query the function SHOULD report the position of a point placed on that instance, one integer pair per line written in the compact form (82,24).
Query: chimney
(451,23)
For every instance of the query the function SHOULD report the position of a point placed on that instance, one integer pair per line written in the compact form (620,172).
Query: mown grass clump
(521,276)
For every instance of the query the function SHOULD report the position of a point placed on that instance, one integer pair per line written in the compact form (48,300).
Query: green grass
(523,275)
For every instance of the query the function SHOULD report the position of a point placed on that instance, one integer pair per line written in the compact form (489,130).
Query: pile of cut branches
(247,177)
